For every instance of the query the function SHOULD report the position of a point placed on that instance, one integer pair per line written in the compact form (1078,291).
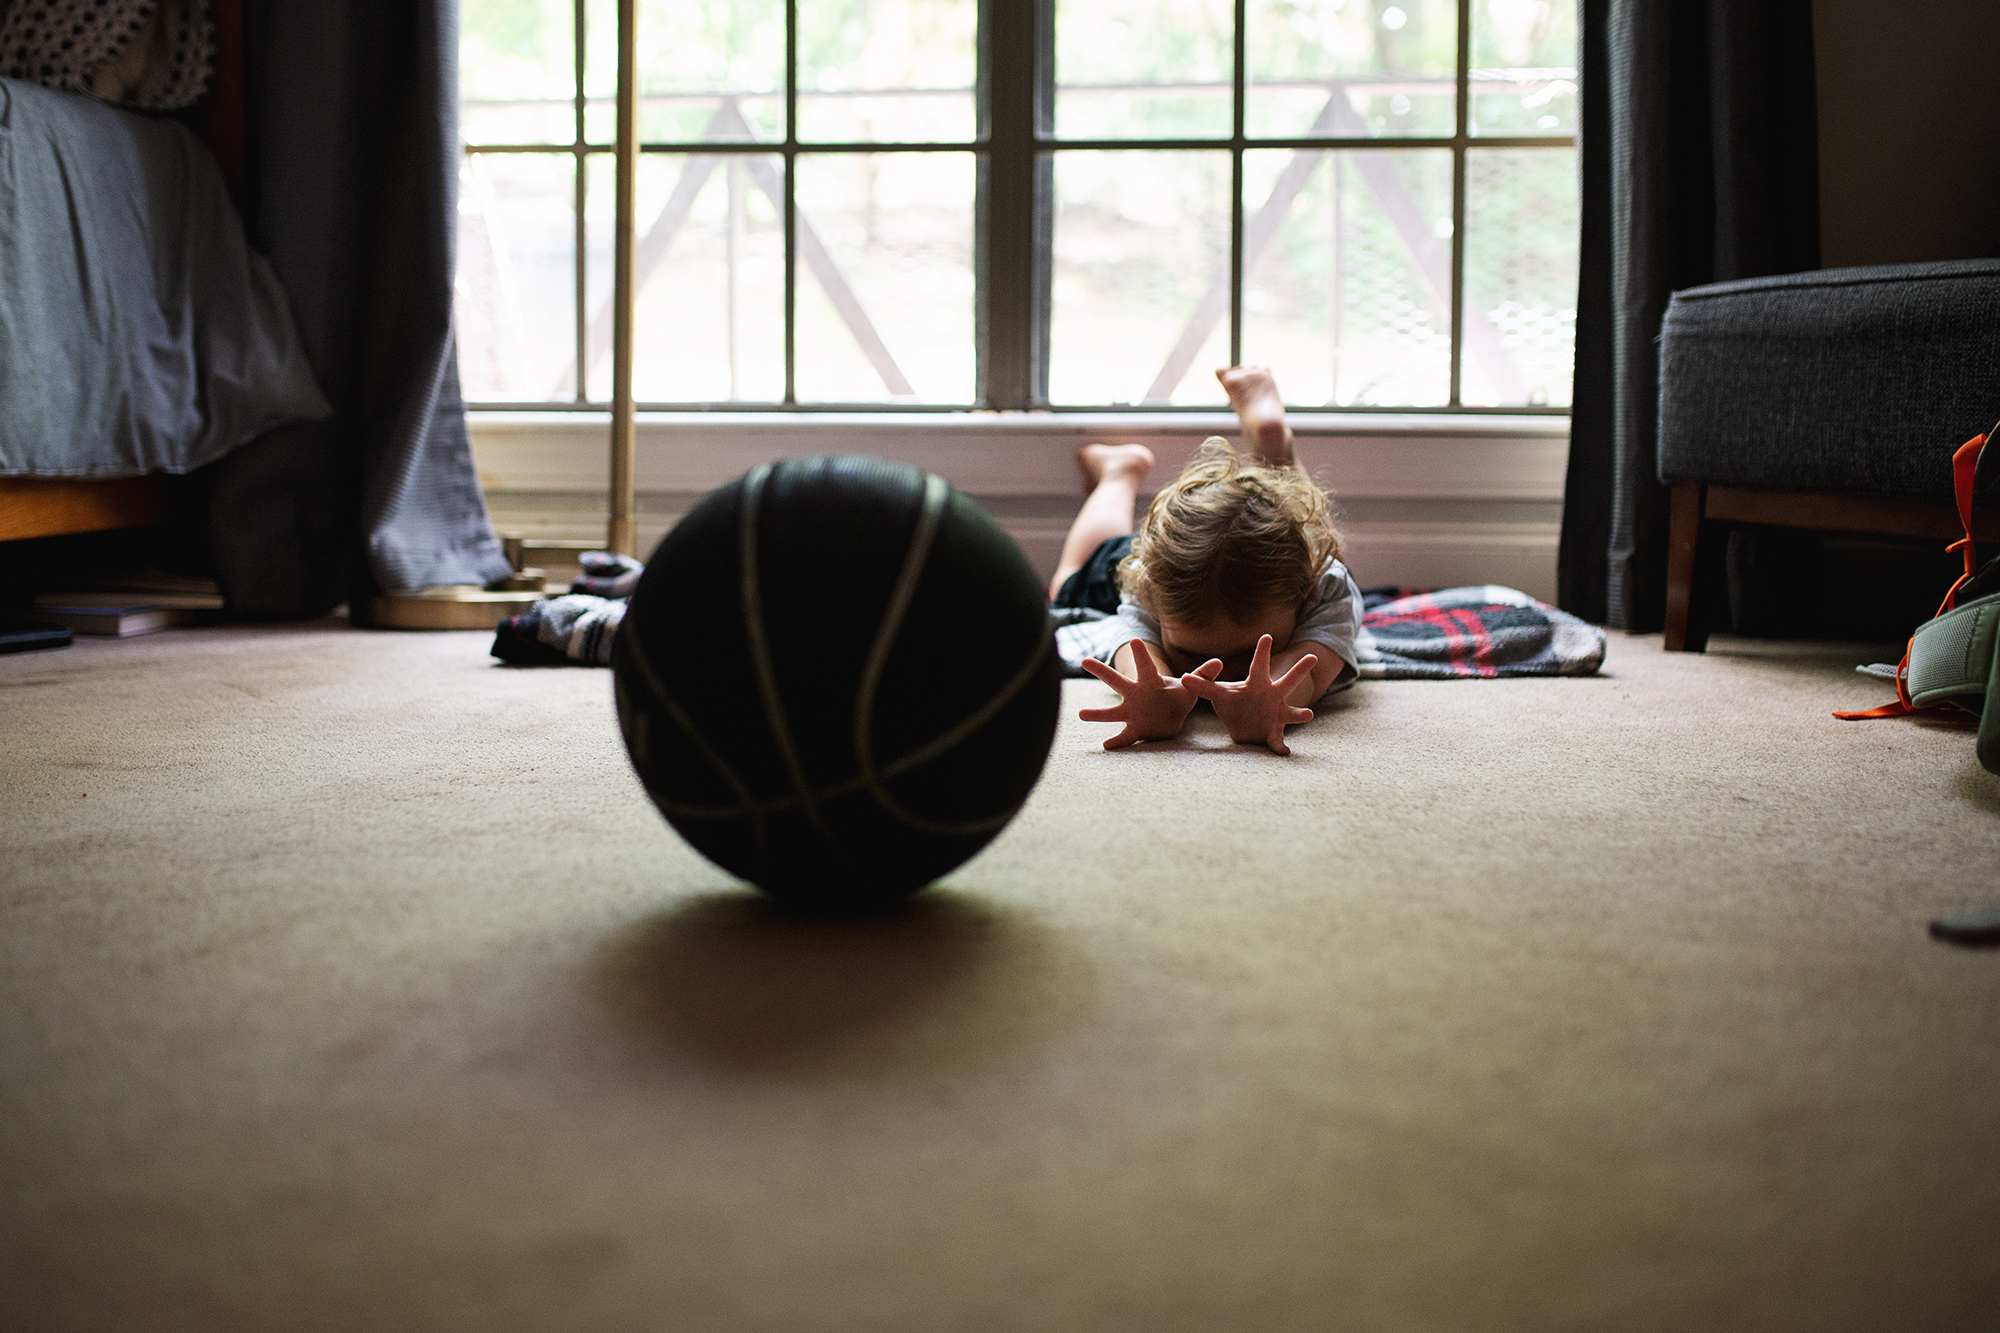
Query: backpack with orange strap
(1951,661)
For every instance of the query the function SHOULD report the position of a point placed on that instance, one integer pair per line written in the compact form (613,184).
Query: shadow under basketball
(946,980)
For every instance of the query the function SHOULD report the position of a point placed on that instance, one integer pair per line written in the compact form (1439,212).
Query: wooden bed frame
(59,506)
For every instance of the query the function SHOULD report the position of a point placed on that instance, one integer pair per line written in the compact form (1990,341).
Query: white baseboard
(1448,555)
(1427,501)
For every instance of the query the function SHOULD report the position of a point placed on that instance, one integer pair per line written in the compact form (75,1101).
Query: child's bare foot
(1111,473)
(1254,395)
(1118,462)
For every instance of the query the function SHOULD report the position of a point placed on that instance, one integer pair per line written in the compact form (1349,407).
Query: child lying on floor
(1231,592)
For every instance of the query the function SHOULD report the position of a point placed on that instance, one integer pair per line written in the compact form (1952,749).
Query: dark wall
(1909,130)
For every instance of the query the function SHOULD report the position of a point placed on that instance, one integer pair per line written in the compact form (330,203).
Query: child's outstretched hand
(1151,706)
(1254,708)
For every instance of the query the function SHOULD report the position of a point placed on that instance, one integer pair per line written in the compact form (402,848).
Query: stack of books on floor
(115,607)
(131,607)
(115,621)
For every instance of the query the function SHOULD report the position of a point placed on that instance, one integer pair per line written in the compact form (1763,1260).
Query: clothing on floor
(607,574)
(574,628)
(578,627)
(1471,632)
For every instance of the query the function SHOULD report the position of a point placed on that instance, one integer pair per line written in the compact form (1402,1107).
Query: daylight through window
(1026,203)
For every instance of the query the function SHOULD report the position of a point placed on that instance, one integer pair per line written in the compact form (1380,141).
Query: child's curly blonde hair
(1229,539)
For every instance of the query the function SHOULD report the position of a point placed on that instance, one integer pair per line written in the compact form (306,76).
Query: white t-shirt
(1331,614)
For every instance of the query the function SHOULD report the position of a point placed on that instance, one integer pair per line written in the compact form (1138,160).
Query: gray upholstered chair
(1829,400)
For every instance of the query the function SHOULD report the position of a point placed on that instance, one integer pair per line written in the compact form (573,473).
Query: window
(1079,204)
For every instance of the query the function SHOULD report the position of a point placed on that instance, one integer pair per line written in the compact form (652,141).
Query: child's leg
(1114,472)
(1254,395)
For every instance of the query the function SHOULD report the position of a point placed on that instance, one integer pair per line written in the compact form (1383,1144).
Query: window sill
(1392,456)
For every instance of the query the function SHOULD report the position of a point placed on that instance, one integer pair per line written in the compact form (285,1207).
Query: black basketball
(836,678)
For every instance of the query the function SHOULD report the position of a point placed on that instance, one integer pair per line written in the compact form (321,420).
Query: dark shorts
(1095,586)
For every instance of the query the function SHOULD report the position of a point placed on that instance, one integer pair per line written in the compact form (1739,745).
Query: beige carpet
(364,990)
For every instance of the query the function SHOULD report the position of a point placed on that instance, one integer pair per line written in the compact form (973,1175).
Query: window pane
(1520,277)
(1349,68)
(892,71)
(709,322)
(707,71)
(514,301)
(885,299)
(1137,69)
(1141,290)
(1523,67)
(600,70)
(1347,299)
(516,71)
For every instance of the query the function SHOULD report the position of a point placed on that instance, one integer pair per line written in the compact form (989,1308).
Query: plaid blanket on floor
(1470,632)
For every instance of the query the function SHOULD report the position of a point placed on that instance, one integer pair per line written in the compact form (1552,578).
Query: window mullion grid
(580,199)
(791,200)
(579,147)
(1236,122)
(1460,131)
(1008,239)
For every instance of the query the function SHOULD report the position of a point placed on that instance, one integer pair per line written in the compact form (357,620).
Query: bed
(140,336)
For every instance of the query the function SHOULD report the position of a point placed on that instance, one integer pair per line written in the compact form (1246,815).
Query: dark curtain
(1699,154)
(351,191)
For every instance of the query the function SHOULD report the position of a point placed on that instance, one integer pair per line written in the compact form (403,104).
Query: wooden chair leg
(1687,627)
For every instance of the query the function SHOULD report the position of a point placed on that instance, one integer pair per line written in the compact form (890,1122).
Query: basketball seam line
(935,495)
(760,652)
(680,718)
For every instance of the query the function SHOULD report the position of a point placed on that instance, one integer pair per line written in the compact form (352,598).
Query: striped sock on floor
(574,628)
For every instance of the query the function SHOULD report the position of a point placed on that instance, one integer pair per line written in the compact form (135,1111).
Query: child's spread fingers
(1303,667)
(1143,669)
(1101,715)
(1201,687)
(1302,715)
(1260,661)
(1123,738)
(1208,670)
(1104,673)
